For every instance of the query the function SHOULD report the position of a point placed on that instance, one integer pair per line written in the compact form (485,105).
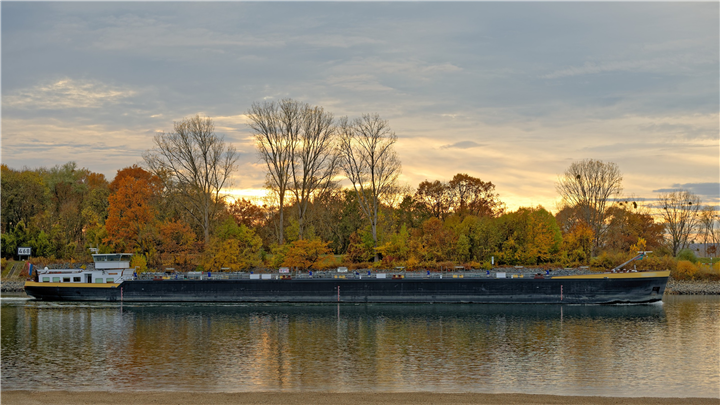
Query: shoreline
(694,287)
(321,398)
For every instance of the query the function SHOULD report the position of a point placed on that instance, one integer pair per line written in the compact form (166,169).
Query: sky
(512,93)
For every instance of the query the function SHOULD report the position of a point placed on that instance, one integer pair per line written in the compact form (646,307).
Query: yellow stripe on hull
(642,274)
(85,285)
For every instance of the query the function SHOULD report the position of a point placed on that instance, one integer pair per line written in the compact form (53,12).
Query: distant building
(705,249)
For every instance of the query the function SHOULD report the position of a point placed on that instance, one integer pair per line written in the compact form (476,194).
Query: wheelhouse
(106,268)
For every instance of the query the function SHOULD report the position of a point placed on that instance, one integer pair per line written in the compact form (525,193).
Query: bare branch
(195,163)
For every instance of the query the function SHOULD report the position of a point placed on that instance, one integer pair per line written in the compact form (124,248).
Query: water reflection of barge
(111,279)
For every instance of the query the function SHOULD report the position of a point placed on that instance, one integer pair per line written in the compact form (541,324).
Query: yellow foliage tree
(233,247)
(139,262)
(304,254)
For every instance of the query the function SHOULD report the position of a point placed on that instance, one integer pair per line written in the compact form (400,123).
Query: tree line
(172,211)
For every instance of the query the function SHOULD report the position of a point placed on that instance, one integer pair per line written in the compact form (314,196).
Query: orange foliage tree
(177,243)
(437,240)
(246,213)
(130,212)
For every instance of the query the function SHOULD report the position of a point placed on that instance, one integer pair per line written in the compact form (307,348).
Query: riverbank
(695,287)
(322,398)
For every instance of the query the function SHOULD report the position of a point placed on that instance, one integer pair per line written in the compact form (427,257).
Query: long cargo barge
(111,279)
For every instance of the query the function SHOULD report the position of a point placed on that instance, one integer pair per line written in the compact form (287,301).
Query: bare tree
(369,161)
(314,159)
(297,144)
(708,217)
(587,186)
(680,212)
(196,163)
(277,126)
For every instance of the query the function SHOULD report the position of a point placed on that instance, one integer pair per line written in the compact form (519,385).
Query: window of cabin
(99,280)
(46,279)
(110,280)
(56,279)
(66,279)
(76,279)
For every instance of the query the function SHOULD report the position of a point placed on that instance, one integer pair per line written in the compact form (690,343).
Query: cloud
(365,82)
(711,190)
(131,32)
(462,145)
(66,93)
(676,63)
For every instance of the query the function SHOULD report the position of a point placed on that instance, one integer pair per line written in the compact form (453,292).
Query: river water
(669,349)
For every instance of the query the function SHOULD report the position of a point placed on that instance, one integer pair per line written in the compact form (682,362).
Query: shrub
(687,254)
(474,265)
(608,261)
(705,272)
(656,263)
(685,270)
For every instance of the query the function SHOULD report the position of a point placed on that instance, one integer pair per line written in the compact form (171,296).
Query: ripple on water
(667,350)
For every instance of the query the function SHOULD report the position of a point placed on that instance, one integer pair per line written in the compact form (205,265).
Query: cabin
(108,268)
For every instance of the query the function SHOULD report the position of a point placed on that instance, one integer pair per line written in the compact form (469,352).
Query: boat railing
(304,275)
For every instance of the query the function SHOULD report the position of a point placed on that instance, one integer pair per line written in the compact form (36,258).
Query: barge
(112,279)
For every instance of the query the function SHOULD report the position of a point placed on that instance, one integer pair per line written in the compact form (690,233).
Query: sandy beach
(322,398)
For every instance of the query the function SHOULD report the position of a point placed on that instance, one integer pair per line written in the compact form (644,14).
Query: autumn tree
(138,173)
(435,196)
(529,236)
(627,223)
(306,253)
(588,186)
(247,213)
(577,243)
(233,247)
(196,163)
(680,212)
(130,213)
(368,159)
(336,215)
(396,247)
(470,195)
(437,240)
(177,243)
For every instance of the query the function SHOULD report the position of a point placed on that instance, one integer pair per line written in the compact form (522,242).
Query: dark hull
(467,290)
